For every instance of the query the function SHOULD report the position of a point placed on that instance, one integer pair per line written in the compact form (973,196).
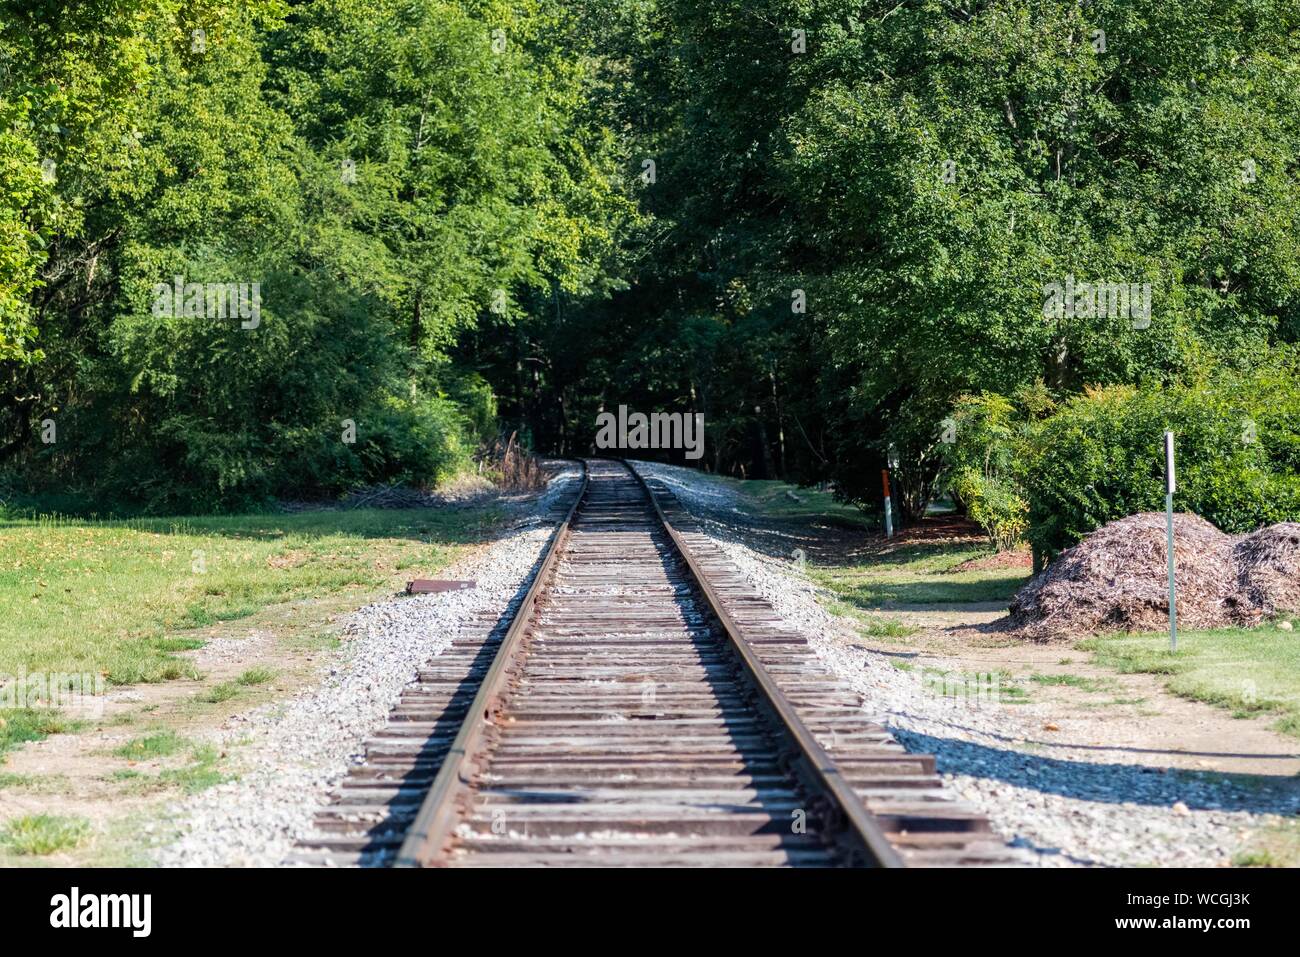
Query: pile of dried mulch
(1268,568)
(1116,579)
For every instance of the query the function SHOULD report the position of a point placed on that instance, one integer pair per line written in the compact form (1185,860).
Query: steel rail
(426,840)
(858,829)
(849,824)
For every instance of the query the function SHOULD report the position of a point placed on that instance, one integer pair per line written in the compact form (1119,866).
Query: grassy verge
(784,502)
(1274,847)
(1250,671)
(116,598)
(21,725)
(125,599)
(918,574)
(37,835)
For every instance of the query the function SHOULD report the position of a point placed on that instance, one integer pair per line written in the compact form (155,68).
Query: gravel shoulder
(1098,769)
(291,752)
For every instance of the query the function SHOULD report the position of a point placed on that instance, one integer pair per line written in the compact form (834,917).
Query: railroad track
(639,705)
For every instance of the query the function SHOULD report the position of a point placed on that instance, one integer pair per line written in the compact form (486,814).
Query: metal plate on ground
(431,586)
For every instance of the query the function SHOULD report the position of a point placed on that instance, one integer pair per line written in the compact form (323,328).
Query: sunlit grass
(157,745)
(774,499)
(876,627)
(255,676)
(1276,846)
(201,770)
(781,500)
(220,692)
(1250,671)
(41,834)
(201,773)
(1095,685)
(21,725)
(108,597)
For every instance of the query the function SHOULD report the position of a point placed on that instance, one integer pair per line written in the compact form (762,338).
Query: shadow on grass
(888,594)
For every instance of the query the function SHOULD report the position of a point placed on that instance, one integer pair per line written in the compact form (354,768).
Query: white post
(889,517)
(1170,485)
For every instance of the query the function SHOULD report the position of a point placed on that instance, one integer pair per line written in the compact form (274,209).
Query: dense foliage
(919,176)
(1028,467)
(1100,456)
(377,173)
(836,229)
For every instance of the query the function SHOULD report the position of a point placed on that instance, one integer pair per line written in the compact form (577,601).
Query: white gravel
(1070,806)
(292,752)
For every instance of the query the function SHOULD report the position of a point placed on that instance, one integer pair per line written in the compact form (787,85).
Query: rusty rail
(429,832)
(532,740)
(853,828)
(865,843)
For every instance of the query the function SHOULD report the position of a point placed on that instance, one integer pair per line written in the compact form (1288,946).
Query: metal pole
(889,517)
(1169,525)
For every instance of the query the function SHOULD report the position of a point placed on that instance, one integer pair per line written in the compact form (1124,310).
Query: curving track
(641,706)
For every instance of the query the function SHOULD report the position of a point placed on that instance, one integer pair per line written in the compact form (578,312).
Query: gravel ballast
(290,753)
(1072,806)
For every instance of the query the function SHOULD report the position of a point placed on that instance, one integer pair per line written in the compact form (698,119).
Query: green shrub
(996,507)
(1100,457)
(987,439)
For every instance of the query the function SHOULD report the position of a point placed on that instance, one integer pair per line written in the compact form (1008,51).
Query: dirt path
(87,775)
(1123,718)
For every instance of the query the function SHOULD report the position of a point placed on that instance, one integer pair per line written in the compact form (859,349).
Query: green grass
(987,687)
(1248,671)
(178,644)
(1075,681)
(1275,846)
(255,676)
(919,574)
(35,783)
(158,745)
(202,769)
(1257,858)
(219,693)
(772,499)
(886,628)
(200,774)
(20,725)
(41,834)
(81,595)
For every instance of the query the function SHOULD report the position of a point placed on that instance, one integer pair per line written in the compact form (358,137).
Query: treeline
(1011,241)
(336,191)
(1005,243)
